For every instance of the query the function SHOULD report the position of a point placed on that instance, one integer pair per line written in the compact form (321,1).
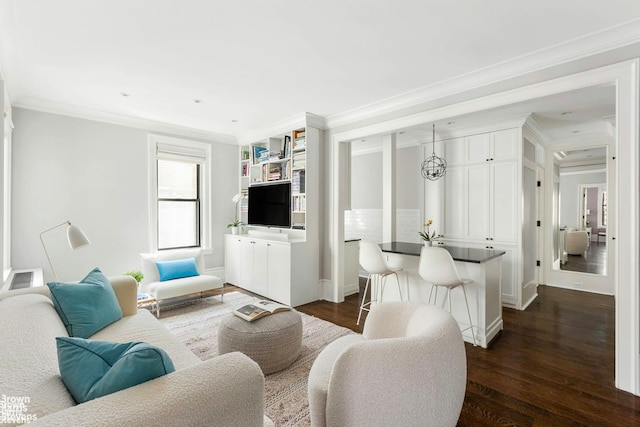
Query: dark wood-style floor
(593,261)
(553,364)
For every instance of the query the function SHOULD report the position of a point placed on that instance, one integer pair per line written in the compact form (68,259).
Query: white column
(389,187)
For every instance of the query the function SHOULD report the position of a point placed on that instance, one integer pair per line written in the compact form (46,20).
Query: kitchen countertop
(473,255)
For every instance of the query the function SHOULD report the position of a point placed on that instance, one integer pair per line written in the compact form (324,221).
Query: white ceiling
(255,62)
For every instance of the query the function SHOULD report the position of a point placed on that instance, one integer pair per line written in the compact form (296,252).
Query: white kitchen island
(483,266)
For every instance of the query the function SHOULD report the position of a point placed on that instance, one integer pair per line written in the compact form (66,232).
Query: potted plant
(136,274)
(427,235)
(236,223)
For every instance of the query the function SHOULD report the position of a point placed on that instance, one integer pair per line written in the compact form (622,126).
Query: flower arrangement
(427,235)
(236,222)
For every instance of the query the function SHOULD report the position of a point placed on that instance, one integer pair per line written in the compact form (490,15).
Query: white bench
(173,288)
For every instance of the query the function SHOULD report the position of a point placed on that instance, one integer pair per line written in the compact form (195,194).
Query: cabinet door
(504,195)
(454,206)
(246,272)
(478,202)
(233,260)
(279,272)
(260,267)
(504,144)
(478,148)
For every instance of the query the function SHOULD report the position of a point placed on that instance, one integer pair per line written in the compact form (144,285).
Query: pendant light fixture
(434,167)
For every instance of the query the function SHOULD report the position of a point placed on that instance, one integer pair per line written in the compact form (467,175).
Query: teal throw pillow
(91,369)
(177,269)
(86,307)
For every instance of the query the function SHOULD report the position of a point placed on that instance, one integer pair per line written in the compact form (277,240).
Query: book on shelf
(259,309)
(245,155)
(298,181)
(260,154)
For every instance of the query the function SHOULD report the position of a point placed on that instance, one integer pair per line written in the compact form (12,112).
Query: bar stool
(438,268)
(372,260)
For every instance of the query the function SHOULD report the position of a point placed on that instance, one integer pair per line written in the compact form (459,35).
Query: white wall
(364,220)
(570,195)
(95,175)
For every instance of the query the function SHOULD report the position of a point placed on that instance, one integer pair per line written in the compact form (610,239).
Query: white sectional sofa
(224,391)
(152,285)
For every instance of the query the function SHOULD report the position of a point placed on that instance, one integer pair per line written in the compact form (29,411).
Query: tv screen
(270,205)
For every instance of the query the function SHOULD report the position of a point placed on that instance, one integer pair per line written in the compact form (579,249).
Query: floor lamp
(75,237)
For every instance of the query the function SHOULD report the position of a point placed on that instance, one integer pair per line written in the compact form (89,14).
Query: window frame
(204,186)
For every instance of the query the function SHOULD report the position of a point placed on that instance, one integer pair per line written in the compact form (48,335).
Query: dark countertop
(474,255)
(352,240)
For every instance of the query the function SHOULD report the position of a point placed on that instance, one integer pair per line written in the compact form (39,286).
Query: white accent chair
(408,368)
(438,268)
(576,242)
(372,260)
(152,285)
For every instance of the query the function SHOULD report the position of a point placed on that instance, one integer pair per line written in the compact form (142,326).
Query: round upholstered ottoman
(273,342)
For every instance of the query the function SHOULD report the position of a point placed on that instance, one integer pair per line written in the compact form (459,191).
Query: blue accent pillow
(177,269)
(91,369)
(86,307)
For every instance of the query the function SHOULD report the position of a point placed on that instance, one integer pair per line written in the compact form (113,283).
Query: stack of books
(297,182)
(300,160)
(275,172)
(299,139)
(299,203)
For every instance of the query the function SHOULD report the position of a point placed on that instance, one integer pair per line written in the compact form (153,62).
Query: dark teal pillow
(91,369)
(177,269)
(86,307)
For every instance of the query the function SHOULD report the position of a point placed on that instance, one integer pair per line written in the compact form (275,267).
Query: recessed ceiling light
(402,132)
(451,123)
(363,140)
(234,120)
(198,101)
(125,94)
(575,131)
(565,113)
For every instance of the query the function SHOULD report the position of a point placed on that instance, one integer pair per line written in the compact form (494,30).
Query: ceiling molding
(122,120)
(575,49)
(283,127)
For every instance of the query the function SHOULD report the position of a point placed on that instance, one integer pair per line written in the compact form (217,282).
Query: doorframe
(624,75)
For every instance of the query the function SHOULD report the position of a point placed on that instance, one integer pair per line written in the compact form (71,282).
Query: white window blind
(181,154)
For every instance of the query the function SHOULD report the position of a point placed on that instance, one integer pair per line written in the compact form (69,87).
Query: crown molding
(122,120)
(283,127)
(562,53)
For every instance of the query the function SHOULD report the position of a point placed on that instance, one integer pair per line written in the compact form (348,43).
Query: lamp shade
(76,237)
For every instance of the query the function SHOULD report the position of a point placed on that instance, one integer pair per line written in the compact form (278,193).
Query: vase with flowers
(236,223)
(427,235)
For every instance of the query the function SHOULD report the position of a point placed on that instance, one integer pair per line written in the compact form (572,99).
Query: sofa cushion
(86,307)
(91,369)
(177,269)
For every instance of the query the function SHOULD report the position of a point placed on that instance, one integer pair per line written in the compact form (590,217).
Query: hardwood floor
(553,364)
(594,260)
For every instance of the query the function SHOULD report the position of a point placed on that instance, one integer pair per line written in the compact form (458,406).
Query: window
(178,204)
(178,201)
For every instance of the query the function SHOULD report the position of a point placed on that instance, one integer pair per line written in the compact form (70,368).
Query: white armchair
(408,368)
(576,242)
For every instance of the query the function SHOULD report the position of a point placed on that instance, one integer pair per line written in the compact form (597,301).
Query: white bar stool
(438,268)
(372,260)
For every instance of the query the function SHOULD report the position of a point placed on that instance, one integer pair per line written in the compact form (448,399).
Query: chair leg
(399,288)
(364,296)
(466,302)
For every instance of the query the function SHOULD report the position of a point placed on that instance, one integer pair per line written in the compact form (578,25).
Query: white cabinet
(278,271)
(273,269)
(492,146)
(481,200)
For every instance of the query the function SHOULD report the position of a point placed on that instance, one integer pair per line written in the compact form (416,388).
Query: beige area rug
(286,403)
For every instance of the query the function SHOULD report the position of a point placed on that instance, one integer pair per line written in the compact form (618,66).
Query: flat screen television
(270,205)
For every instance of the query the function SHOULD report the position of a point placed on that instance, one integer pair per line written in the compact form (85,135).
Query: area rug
(286,403)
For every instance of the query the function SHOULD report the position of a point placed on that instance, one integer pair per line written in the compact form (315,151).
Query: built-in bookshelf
(281,158)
